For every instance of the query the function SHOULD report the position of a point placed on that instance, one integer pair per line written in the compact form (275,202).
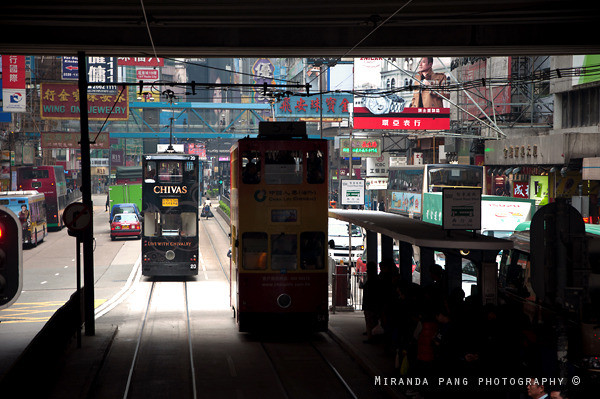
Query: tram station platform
(76,373)
(80,366)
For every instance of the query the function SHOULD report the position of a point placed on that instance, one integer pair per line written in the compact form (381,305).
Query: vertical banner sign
(102,70)
(13,83)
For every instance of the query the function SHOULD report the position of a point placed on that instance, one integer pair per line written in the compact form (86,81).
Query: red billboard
(140,61)
(408,119)
(61,101)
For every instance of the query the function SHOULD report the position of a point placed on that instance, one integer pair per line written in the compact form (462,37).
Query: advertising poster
(587,67)
(406,202)
(380,108)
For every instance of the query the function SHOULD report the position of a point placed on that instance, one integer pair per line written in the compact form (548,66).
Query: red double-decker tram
(279,229)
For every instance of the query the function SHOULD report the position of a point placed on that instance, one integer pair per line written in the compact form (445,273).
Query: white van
(338,241)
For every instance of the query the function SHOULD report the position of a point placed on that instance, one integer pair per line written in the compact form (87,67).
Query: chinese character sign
(361,148)
(71,140)
(263,71)
(330,106)
(520,189)
(102,70)
(13,83)
(61,101)
(407,119)
(141,61)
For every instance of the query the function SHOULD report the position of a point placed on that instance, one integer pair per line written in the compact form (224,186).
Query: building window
(581,107)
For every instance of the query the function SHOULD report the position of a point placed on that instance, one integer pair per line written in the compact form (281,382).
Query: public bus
(170,195)
(49,180)
(30,208)
(279,199)
(407,184)
(525,281)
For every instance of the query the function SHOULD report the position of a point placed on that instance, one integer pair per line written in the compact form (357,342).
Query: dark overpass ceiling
(303,28)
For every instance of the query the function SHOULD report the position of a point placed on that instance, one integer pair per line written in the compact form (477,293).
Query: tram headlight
(170,254)
(284,301)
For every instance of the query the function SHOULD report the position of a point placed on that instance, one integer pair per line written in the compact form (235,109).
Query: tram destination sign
(461,208)
(353,192)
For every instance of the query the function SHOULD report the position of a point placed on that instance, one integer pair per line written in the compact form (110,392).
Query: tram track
(213,245)
(297,361)
(162,319)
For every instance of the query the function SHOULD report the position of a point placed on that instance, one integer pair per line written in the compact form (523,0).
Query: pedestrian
(536,391)
(107,201)
(371,300)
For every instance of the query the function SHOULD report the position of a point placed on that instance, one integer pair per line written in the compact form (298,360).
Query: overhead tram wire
(148,28)
(364,38)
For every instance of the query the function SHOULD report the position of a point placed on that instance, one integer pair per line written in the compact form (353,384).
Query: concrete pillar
(487,283)
(406,256)
(387,247)
(371,246)
(427,260)
(453,272)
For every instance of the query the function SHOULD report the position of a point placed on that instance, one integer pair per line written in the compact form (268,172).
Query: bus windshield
(454,177)
(28,173)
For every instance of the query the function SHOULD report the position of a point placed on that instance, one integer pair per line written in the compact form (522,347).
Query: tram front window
(312,250)
(254,251)
(170,172)
(251,167)
(315,173)
(158,224)
(283,167)
(283,251)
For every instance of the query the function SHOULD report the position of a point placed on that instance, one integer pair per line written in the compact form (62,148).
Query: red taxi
(125,225)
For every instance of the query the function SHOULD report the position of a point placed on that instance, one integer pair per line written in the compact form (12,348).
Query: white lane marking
(66,267)
(203,268)
(129,287)
(57,274)
(43,282)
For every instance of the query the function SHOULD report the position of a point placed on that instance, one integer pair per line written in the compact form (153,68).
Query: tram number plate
(170,202)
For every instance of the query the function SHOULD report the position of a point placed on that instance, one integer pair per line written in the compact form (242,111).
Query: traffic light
(11,257)
(220,181)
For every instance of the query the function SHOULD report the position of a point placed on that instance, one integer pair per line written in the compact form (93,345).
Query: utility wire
(148,27)
(364,38)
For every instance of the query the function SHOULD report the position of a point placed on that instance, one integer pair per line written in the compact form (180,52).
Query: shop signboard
(71,140)
(61,101)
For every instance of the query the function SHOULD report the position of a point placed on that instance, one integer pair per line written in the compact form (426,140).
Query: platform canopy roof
(309,28)
(419,233)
